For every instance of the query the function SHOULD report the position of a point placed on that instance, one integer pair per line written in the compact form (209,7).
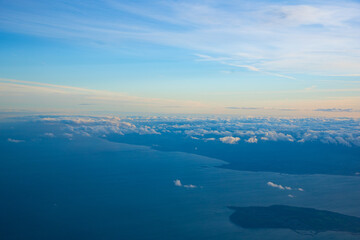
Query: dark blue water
(88,188)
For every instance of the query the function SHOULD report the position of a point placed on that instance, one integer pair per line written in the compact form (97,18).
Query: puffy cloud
(15,140)
(252,140)
(99,126)
(49,135)
(229,130)
(177,183)
(182,126)
(230,140)
(146,130)
(291,196)
(275,136)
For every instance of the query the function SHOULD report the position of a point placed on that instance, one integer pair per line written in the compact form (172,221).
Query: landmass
(299,219)
(281,157)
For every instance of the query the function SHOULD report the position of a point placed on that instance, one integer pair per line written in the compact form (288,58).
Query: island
(301,220)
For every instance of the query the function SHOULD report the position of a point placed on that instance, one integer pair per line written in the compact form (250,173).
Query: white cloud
(49,135)
(230,140)
(330,131)
(274,185)
(342,141)
(276,136)
(229,62)
(177,183)
(67,97)
(252,140)
(257,33)
(291,196)
(281,187)
(209,139)
(15,140)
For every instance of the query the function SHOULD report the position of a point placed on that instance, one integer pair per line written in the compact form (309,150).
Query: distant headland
(299,219)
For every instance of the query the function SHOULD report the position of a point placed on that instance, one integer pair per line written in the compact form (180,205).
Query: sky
(283,58)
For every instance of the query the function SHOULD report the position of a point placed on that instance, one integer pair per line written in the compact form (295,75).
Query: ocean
(90,188)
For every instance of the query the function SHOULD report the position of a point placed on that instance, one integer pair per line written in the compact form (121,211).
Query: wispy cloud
(268,37)
(231,62)
(49,134)
(15,140)
(334,110)
(243,108)
(60,97)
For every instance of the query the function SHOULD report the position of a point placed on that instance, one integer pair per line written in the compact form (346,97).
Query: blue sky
(233,57)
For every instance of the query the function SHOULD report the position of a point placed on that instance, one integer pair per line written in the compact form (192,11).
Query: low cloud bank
(341,131)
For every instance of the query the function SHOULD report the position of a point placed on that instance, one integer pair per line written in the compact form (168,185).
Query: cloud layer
(342,131)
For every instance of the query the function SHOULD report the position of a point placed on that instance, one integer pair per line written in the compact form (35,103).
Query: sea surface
(90,188)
